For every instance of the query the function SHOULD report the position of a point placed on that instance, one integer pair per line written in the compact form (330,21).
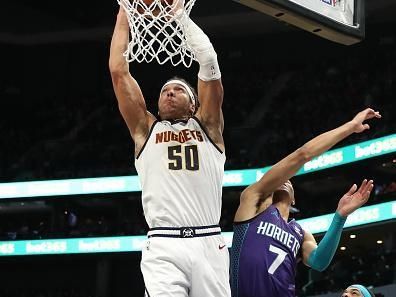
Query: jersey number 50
(183,157)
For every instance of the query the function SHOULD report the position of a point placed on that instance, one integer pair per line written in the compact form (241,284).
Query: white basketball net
(157,33)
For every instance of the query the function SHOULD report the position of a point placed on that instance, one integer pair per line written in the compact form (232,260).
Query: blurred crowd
(306,99)
(81,218)
(372,268)
(52,134)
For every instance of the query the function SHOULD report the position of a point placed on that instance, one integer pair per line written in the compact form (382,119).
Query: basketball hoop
(156,32)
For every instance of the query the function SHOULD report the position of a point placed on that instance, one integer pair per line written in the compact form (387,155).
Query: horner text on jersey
(285,238)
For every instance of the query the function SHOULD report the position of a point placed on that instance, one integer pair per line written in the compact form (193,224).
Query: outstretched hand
(355,198)
(177,7)
(358,120)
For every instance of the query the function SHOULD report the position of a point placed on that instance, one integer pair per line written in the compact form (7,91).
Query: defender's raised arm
(319,256)
(287,167)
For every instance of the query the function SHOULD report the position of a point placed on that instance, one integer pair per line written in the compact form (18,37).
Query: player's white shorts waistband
(184,232)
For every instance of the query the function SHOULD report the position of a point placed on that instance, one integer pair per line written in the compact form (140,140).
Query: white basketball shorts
(186,262)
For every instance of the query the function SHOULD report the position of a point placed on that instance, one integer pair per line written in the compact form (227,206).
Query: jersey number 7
(281,255)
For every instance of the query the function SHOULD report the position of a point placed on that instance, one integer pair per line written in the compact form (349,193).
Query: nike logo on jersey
(275,213)
(221,246)
(298,230)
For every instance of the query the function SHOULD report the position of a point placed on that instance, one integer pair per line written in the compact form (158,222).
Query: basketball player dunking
(265,244)
(180,162)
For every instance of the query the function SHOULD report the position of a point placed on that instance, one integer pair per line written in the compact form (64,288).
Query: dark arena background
(70,236)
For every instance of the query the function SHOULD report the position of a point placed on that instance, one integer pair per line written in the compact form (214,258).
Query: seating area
(270,109)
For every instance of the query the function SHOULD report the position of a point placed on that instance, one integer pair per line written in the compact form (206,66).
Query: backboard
(342,21)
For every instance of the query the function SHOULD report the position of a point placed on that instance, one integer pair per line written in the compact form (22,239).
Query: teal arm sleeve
(321,257)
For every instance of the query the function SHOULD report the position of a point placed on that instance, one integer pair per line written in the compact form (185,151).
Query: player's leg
(210,271)
(163,267)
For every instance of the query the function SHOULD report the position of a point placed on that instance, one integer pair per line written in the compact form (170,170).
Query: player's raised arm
(210,87)
(130,98)
(319,256)
(287,167)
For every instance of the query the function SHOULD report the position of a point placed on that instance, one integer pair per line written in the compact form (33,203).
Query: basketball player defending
(180,161)
(265,245)
(357,291)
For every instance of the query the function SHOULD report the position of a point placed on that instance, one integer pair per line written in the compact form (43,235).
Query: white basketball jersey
(181,173)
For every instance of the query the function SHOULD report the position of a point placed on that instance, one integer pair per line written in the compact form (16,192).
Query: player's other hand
(355,198)
(177,7)
(358,121)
